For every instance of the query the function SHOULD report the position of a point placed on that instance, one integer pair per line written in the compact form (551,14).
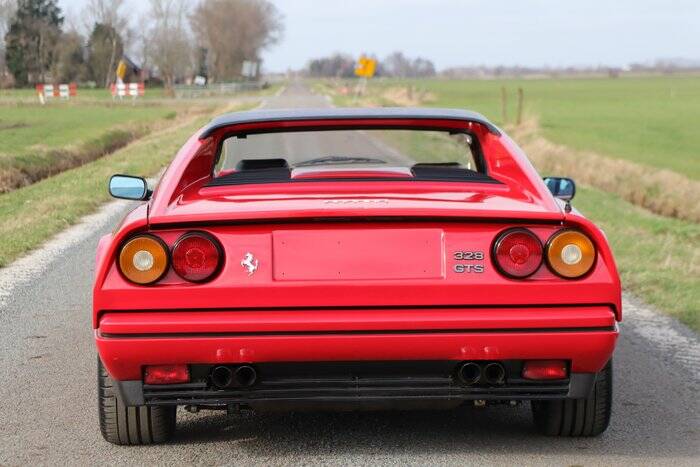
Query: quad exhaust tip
(221,377)
(470,373)
(494,373)
(244,376)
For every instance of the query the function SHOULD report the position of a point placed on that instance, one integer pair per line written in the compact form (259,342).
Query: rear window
(371,148)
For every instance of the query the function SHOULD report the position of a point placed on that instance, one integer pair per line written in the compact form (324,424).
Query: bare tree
(233,31)
(141,46)
(110,15)
(398,65)
(169,41)
(7,11)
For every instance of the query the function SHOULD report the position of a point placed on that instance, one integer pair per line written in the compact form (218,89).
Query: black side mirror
(129,187)
(561,187)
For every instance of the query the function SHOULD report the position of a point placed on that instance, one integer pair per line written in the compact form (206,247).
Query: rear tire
(130,426)
(577,417)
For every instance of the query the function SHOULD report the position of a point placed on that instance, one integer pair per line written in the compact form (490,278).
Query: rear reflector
(167,374)
(545,369)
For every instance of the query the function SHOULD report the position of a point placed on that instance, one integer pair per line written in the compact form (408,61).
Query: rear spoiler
(384,113)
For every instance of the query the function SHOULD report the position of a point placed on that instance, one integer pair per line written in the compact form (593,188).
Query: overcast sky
(488,32)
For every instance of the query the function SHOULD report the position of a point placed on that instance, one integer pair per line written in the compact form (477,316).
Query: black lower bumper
(371,384)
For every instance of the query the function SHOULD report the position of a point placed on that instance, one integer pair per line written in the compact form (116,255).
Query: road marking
(28,267)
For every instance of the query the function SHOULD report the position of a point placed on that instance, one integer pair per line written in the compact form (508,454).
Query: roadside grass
(658,257)
(646,120)
(32,214)
(39,141)
(659,190)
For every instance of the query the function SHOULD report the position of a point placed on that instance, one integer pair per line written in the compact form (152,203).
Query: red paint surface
(380,226)
(352,254)
(587,351)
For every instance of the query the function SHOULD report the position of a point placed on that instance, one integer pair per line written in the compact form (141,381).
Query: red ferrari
(352,259)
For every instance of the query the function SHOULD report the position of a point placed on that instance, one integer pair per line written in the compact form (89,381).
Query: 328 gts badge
(472,262)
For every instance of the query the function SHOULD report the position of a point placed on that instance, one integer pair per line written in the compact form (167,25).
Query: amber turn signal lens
(570,254)
(143,259)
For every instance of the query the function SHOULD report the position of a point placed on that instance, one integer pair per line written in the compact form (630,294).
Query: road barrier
(133,90)
(47,92)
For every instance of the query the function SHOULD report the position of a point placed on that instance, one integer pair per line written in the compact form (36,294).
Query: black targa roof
(338,113)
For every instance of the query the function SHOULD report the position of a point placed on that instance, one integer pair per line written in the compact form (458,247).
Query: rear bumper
(585,336)
(355,385)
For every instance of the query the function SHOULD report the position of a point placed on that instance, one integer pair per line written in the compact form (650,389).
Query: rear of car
(429,269)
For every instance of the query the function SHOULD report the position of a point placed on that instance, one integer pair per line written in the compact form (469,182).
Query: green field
(24,127)
(652,121)
(41,140)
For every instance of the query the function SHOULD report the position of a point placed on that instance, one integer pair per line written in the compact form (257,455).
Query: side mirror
(128,187)
(561,187)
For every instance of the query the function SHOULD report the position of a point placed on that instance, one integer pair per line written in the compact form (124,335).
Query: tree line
(175,40)
(394,65)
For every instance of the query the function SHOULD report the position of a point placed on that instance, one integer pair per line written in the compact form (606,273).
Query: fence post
(504,105)
(520,106)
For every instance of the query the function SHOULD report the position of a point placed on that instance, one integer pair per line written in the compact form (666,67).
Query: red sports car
(352,259)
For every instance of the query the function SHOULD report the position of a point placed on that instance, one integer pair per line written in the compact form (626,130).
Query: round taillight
(570,254)
(143,259)
(197,257)
(517,253)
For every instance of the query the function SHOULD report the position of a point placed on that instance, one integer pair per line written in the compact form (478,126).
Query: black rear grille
(353,382)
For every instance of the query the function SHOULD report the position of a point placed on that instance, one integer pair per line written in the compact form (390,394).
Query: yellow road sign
(365,67)
(121,69)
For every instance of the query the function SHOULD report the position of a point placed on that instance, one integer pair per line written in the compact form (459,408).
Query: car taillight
(197,256)
(144,259)
(517,253)
(166,374)
(570,254)
(544,369)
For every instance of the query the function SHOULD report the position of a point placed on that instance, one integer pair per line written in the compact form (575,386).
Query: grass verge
(32,214)
(645,120)
(29,168)
(662,191)
(658,257)
(40,141)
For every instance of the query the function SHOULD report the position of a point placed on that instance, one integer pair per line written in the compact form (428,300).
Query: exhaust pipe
(494,373)
(469,373)
(221,377)
(245,376)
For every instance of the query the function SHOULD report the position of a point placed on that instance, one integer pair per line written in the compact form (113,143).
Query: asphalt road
(48,411)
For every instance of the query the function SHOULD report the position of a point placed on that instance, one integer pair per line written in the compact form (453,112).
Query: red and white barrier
(133,90)
(51,91)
